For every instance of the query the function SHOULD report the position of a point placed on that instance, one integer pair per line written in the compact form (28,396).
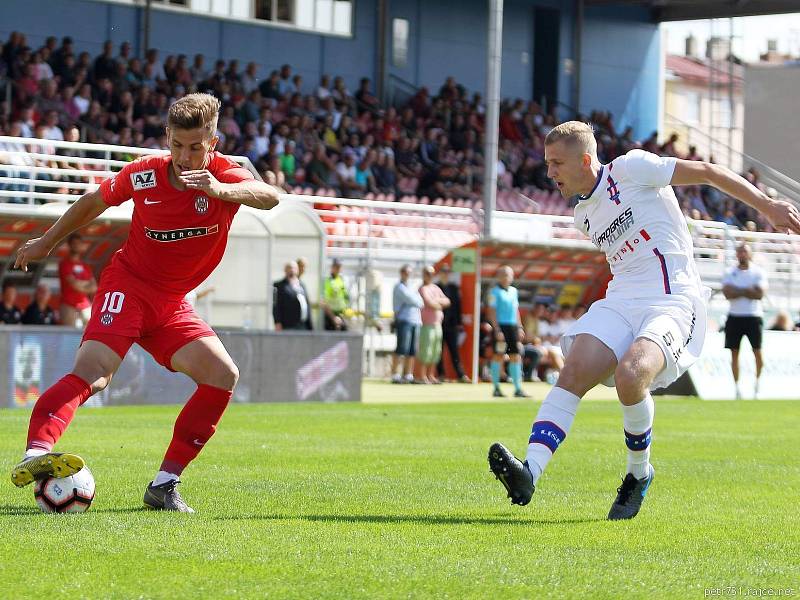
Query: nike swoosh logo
(146,201)
(198,442)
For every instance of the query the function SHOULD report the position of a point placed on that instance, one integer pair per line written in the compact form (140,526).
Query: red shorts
(125,311)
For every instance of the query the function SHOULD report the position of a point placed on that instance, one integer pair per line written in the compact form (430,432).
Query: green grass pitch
(393,499)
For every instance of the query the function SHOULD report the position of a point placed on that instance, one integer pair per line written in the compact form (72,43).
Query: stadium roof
(685,10)
(702,71)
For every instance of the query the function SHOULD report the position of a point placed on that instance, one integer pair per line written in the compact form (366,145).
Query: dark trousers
(450,339)
(331,326)
(530,361)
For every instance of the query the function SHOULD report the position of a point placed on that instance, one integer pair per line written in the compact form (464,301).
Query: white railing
(389,233)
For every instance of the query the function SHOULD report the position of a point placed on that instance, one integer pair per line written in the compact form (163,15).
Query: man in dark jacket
(291,308)
(39,311)
(451,326)
(10,314)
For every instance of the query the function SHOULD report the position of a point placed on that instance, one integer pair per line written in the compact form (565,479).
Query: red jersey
(177,238)
(80,271)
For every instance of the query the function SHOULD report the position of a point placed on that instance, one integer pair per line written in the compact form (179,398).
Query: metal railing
(784,184)
(386,234)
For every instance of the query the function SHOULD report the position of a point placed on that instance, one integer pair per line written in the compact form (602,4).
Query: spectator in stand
(291,307)
(288,161)
(104,65)
(77,283)
(407,320)
(346,175)
(285,85)
(319,169)
(432,313)
(385,174)
(364,96)
(10,314)
(39,311)
(250,79)
(336,300)
(324,87)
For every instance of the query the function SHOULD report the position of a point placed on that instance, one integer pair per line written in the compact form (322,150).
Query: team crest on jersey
(143,180)
(107,319)
(201,205)
(613,192)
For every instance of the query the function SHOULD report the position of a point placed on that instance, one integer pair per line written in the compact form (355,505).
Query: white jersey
(746,278)
(632,215)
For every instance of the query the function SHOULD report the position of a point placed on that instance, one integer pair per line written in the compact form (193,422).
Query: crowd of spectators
(315,136)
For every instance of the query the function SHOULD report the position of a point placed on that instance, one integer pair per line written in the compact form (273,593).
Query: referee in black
(744,287)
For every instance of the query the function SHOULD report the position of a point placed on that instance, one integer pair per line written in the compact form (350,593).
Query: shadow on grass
(123,509)
(420,519)
(18,510)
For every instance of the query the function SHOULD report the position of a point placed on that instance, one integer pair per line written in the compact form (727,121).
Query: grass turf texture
(394,499)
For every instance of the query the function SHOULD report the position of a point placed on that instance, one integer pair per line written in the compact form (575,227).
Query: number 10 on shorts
(112,302)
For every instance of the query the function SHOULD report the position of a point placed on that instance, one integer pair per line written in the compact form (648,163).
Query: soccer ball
(73,494)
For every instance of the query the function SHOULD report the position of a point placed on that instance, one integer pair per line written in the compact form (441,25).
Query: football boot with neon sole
(52,464)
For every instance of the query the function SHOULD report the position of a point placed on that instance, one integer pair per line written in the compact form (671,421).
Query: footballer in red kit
(184,204)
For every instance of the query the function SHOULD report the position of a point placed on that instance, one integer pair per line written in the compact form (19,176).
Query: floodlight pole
(495,54)
(493,68)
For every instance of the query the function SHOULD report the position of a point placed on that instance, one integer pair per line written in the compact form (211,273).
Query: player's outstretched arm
(81,213)
(784,216)
(249,192)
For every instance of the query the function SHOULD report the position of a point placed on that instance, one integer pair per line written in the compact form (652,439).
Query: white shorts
(677,323)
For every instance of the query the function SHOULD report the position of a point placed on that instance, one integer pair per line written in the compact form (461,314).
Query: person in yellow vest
(335,299)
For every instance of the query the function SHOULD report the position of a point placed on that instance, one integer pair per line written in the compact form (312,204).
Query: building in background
(704,103)
(770,108)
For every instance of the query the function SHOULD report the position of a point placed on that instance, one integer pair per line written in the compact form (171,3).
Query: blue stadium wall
(620,64)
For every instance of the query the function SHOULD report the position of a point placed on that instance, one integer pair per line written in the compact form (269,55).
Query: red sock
(54,410)
(196,423)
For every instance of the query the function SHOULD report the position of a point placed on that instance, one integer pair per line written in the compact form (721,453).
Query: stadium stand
(323,138)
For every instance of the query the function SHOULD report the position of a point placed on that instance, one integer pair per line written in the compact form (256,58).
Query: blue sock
(515,370)
(495,374)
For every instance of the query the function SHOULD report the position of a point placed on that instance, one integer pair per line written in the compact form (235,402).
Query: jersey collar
(596,184)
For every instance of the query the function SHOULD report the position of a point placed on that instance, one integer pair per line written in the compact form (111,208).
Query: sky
(750,34)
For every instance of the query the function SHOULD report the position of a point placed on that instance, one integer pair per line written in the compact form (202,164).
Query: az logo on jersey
(143,180)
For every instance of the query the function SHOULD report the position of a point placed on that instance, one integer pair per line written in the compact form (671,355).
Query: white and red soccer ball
(72,494)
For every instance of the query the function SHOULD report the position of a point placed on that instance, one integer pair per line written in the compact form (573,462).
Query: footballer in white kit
(651,325)
(633,216)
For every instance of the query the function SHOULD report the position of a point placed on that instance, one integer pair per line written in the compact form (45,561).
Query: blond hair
(194,111)
(574,133)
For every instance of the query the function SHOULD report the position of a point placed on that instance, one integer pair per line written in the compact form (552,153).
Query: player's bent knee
(221,374)
(574,380)
(631,383)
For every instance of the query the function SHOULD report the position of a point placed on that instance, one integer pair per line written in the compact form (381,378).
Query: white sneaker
(755,391)
(738,393)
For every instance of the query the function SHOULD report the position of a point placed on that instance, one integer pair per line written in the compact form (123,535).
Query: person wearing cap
(335,299)
(451,325)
